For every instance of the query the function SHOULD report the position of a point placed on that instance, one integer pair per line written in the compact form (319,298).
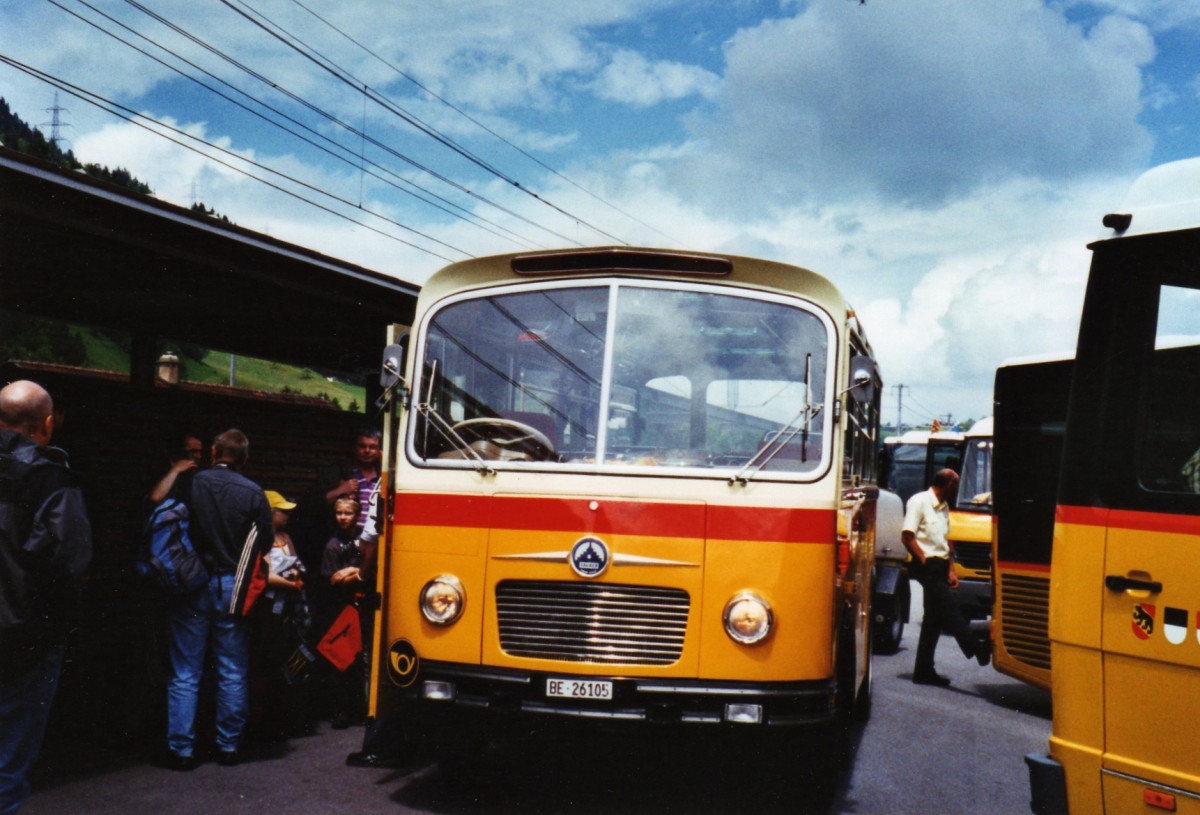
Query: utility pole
(55,124)
(899,407)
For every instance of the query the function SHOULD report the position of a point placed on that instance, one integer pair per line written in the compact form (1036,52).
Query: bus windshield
(975,486)
(623,375)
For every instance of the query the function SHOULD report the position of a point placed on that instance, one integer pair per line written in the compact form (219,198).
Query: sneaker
(935,679)
(229,758)
(983,653)
(174,761)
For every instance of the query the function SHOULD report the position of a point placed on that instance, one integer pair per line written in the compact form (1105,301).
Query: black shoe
(368,759)
(173,761)
(937,680)
(229,758)
(983,653)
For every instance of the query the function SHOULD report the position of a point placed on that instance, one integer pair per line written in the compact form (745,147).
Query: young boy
(283,624)
(341,566)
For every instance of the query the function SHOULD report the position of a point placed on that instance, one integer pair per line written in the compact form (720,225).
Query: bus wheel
(862,703)
(888,629)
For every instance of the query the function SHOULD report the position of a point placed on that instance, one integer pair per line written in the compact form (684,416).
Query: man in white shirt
(926,536)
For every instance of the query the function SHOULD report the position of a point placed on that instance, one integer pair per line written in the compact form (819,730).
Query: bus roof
(983,427)
(629,261)
(1036,359)
(1163,199)
(923,437)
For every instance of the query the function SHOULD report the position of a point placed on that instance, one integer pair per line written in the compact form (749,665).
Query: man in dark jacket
(231,531)
(45,548)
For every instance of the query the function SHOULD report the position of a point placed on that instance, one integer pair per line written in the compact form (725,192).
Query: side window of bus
(1170,452)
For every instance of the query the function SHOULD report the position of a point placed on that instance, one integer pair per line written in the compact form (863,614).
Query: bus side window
(1170,453)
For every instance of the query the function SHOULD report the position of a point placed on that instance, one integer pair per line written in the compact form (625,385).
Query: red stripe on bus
(772,524)
(617,517)
(441,509)
(1025,567)
(1129,519)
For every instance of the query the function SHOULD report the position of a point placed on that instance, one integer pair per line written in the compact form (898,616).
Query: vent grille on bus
(974,556)
(598,623)
(1024,606)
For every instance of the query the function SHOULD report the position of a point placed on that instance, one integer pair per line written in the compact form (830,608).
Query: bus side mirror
(391,374)
(863,373)
(392,371)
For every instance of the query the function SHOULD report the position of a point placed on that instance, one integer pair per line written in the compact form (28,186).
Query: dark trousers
(24,711)
(941,614)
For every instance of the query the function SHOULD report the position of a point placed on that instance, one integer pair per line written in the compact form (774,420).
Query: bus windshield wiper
(447,432)
(784,435)
(777,441)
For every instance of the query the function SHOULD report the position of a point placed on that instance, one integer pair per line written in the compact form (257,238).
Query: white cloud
(632,79)
(943,164)
(923,101)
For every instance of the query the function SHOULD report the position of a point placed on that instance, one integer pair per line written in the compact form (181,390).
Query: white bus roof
(922,437)
(1163,199)
(983,427)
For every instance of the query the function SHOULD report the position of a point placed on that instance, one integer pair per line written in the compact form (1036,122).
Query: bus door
(1151,592)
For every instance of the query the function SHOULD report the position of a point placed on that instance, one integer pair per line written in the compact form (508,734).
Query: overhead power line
(337,121)
(481,125)
(344,76)
(133,117)
(395,181)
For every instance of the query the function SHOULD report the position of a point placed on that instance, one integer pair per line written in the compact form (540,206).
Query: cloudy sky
(944,163)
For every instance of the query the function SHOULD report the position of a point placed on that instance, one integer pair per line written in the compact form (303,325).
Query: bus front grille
(974,556)
(1024,606)
(599,623)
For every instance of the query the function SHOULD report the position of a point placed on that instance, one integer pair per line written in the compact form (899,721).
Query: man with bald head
(45,548)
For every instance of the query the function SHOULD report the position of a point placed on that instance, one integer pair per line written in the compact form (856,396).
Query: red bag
(251,578)
(342,643)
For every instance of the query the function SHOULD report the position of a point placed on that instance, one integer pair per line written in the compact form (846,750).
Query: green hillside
(41,340)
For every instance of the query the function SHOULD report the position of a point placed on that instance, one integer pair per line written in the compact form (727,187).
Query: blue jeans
(198,620)
(24,711)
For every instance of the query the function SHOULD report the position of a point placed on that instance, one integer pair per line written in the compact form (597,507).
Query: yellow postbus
(632,487)
(971,521)
(1125,589)
(1030,412)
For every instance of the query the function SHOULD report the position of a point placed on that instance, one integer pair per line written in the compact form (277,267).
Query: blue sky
(945,164)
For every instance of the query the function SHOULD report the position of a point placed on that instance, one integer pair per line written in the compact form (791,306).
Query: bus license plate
(579,689)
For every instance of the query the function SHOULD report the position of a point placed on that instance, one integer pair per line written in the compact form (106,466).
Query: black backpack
(166,555)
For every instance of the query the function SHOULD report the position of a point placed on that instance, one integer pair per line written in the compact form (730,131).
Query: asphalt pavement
(925,750)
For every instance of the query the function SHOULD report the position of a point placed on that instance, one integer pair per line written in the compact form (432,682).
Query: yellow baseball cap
(277,501)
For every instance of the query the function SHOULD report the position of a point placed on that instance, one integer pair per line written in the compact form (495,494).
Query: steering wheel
(515,440)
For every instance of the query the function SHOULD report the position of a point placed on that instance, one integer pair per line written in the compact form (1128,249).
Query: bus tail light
(442,600)
(748,618)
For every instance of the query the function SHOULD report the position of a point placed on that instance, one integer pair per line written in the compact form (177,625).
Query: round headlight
(442,600)
(748,618)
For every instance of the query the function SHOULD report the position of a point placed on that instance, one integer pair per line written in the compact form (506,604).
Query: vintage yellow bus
(1124,613)
(631,487)
(971,521)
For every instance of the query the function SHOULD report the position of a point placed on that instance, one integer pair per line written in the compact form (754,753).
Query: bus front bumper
(1047,785)
(481,691)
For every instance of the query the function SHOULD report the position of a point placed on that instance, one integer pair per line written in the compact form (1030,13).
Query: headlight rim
(738,637)
(455,584)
